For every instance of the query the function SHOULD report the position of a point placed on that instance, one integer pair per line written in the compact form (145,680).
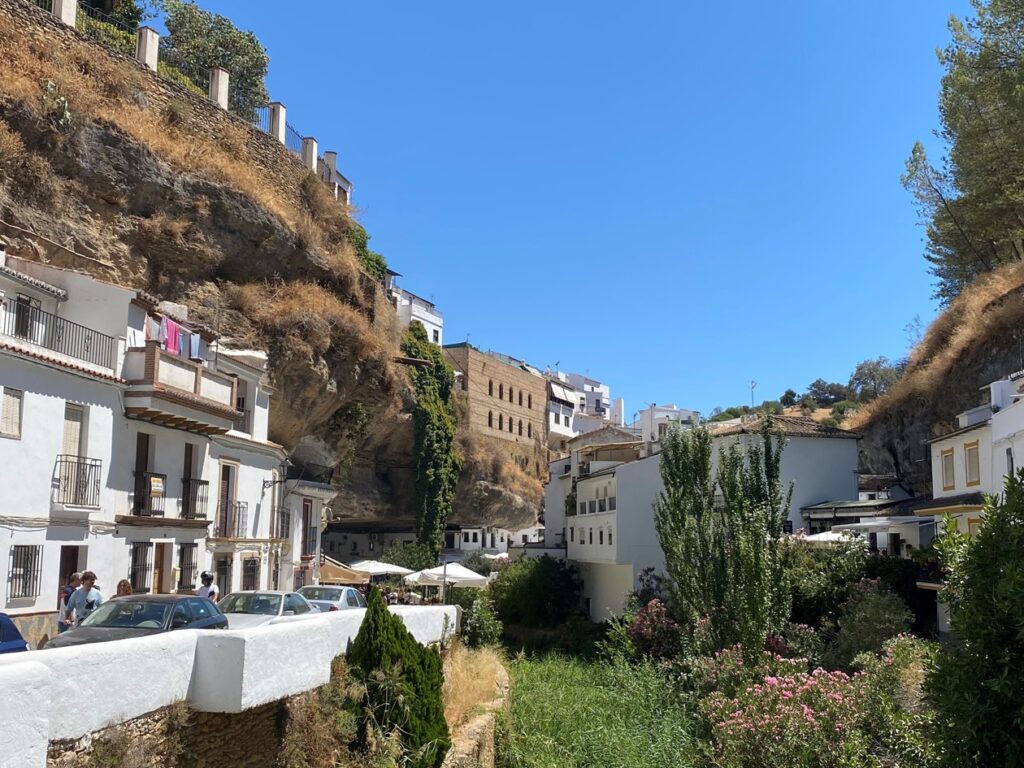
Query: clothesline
(174,337)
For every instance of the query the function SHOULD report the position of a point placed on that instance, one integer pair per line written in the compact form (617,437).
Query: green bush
(403,682)
(820,579)
(535,592)
(476,562)
(116,39)
(415,557)
(870,617)
(480,625)
(977,682)
(175,75)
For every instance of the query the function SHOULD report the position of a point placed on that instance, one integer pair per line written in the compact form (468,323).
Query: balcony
(311,473)
(37,328)
(176,392)
(281,523)
(150,499)
(77,481)
(195,495)
(232,520)
(243,422)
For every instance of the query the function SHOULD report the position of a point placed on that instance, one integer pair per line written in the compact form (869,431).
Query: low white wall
(65,693)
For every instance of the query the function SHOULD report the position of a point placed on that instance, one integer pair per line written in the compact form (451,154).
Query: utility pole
(753,386)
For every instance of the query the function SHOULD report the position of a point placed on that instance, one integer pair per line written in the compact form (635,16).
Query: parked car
(328,598)
(11,640)
(254,608)
(139,615)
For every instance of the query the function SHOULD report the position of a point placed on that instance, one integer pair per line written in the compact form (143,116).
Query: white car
(254,608)
(329,598)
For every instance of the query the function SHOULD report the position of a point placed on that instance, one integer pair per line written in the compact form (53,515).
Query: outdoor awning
(377,568)
(828,538)
(454,574)
(883,524)
(561,393)
(333,572)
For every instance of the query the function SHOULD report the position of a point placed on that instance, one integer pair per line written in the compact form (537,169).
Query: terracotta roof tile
(61,363)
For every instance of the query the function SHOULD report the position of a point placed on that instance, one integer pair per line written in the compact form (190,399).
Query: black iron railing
(281,523)
(309,539)
(150,494)
(23,321)
(312,473)
(187,566)
(195,495)
(243,421)
(78,481)
(292,139)
(107,30)
(232,520)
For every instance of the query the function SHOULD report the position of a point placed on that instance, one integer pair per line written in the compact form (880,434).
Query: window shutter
(10,412)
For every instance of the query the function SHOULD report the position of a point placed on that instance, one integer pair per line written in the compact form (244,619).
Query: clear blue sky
(674,197)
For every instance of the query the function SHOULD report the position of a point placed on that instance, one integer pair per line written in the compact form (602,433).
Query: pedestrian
(124,588)
(65,594)
(209,589)
(84,600)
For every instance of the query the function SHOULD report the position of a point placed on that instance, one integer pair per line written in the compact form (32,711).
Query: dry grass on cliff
(471,682)
(490,459)
(992,305)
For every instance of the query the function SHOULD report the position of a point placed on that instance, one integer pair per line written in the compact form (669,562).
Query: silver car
(254,608)
(328,598)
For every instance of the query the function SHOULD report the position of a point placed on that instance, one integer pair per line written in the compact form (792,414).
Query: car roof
(154,598)
(261,592)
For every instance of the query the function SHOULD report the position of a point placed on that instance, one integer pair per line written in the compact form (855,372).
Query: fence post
(277,120)
(148,47)
(219,87)
(309,157)
(66,11)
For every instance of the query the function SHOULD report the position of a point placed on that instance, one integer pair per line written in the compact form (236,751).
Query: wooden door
(74,416)
(159,555)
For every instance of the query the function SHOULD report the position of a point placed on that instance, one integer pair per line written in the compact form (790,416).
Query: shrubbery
(480,625)
(653,633)
(535,592)
(870,616)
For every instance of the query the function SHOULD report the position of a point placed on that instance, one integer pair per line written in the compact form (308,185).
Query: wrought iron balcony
(311,473)
(31,324)
(232,520)
(150,494)
(195,495)
(281,523)
(78,481)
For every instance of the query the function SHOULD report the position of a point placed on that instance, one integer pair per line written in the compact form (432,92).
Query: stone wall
(280,168)
(36,628)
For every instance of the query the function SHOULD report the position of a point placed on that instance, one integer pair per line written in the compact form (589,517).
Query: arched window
(529,429)
(490,388)
(490,418)
(501,391)
(510,425)
(520,427)
(510,393)
(529,401)
(501,421)
(520,398)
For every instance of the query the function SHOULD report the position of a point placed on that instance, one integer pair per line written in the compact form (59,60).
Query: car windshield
(321,593)
(129,614)
(251,603)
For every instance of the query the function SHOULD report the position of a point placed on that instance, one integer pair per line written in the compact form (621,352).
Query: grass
(566,713)
(470,682)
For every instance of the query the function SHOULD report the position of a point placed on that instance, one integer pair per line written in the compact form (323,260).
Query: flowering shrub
(727,673)
(653,633)
(791,721)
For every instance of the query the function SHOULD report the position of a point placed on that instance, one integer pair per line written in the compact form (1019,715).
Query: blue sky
(677,198)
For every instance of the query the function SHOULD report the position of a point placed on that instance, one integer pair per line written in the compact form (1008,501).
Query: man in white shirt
(83,600)
(209,589)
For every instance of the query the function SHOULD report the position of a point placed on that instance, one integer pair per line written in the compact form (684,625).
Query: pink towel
(171,342)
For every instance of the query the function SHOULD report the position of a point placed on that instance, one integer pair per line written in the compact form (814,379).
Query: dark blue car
(11,640)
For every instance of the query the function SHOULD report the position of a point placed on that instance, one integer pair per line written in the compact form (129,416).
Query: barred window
(141,566)
(10,412)
(250,573)
(187,555)
(23,574)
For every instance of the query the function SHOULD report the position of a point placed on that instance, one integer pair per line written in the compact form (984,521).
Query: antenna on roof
(753,386)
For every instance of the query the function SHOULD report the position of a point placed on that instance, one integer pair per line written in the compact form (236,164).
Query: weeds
(470,681)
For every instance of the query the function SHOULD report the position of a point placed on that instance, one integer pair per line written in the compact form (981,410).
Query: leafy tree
(415,557)
(871,616)
(720,535)
(971,204)
(127,12)
(199,40)
(403,682)
(535,592)
(476,562)
(808,405)
(437,460)
(827,393)
(976,684)
(843,408)
(873,378)
(788,399)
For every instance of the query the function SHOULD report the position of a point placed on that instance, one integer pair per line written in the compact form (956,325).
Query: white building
(578,404)
(654,421)
(411,307)
(116,433)
(610,536)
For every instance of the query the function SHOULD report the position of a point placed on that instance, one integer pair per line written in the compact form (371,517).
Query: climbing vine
(437,460)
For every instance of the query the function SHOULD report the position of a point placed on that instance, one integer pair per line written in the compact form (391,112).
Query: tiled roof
(60,293)
(793,426)
(61,363)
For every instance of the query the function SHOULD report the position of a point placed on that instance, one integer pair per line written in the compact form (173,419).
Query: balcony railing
(309,540)
(32,324)
(243,422)
(150,494)
(232,520)
(78,481)
(195,495)
(313,473)
(281,523)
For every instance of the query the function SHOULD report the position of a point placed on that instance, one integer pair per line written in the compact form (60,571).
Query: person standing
(209,589)
(124,588)
(84,600)
(65,595)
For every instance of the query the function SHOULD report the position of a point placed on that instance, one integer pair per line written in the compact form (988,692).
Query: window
(490,419)
(350,594)
(973,462)
(465,536)
(10,413)
(600,536)
(490,388)
(501,422)
(529,429)
(590,535)
(602,505)
(200,608)
(141,566)
(524,538)
(437,336)
(611,503)
(583,507)
(566,418)
(520,398)
(1009,461)
(609,536)
(476,537)
(187,566)
(250,573)
(310,529)
(572,533)
(592,506)
(529,401)
(554,418)
(510,425)
(181,616)
(948,478)
(23,574)
(520,427)
(295,604)
(501,391)
(510,393)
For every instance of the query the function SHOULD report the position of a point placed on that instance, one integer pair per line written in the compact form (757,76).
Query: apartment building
(411,307)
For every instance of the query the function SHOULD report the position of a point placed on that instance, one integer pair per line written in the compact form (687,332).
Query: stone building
(507,402)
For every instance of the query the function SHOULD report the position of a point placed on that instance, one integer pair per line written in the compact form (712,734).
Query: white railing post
(147,48)
(309,157)
(219,87)
(66,11)
(277,120)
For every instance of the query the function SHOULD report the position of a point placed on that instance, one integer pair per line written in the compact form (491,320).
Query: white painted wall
(992,468)
(25,714)
(558,487)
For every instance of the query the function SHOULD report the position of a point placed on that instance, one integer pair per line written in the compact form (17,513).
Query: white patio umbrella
(826,538)
(377,568)
(452,574)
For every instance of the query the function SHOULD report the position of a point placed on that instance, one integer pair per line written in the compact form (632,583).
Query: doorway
(159,569)
(69,557)
(222,566)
